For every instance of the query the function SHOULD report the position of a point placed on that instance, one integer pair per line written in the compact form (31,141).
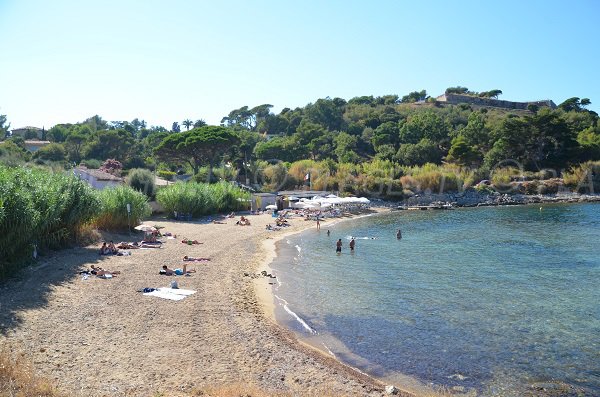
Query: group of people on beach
(109,249)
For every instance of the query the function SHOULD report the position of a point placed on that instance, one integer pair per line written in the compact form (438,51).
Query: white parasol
(145,228)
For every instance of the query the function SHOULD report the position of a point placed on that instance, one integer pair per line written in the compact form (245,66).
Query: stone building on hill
(456,99)
(29,132)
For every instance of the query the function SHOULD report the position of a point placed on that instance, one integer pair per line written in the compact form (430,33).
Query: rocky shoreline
(474,198)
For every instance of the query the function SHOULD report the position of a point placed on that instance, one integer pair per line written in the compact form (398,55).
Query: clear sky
(164,61)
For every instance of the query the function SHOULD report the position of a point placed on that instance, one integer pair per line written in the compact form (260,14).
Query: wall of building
(456,99)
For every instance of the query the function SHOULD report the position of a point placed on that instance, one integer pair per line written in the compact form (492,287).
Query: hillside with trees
(353,146)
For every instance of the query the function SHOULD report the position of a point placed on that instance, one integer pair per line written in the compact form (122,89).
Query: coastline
(267,300)
(96,337)
(473,198)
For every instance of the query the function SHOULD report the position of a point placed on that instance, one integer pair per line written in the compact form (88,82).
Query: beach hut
(260,201)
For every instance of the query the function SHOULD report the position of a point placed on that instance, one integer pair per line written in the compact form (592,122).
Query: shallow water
(487,299)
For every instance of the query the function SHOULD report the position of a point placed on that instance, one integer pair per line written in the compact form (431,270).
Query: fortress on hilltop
(456,99)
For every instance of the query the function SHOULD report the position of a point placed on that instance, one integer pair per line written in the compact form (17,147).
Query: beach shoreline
(96,337)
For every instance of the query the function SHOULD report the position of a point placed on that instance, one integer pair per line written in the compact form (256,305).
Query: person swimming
(399,234)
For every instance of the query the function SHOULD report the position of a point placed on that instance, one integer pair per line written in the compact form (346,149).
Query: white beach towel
(171,293)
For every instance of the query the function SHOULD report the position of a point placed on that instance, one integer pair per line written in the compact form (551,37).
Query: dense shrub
(200,199)
(168,175)
(142,180)
(40,208)
(92,164)
(114,216)
(584,178)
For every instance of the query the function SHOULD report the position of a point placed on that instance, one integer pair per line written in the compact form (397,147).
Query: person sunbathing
(190,242)
(176,272)
(125,245)
(232,215)
(144,244)
(218,222)
(243,221)
(98,271)
(192,259)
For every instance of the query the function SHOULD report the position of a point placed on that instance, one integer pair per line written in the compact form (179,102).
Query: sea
(494,301)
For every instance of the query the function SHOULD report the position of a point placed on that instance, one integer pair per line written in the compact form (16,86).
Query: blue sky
(63,61)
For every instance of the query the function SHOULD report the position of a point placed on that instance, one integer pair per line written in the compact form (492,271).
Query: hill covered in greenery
(362,141)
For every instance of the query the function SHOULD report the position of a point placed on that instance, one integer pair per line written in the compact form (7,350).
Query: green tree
(425,151)
(423,125)
(457,90)
(327,112)
(58,133)
(385,134)
(4,127)
(199,123)
(280,148)
(415,96)
(462,153)
(345,148)
(187,123)
(75,142)
(117,144)
(197,147)
(51,152)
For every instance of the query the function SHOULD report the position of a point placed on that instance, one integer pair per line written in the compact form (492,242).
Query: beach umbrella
(145,228)
(292,198)
(271,207)
(329,196)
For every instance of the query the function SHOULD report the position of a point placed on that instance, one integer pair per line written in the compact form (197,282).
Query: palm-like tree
(199,123)
(187,123)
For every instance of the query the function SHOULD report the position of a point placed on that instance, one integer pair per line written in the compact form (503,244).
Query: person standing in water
(399,234)
(328,233)
(338,246)
(352,244)
(318,223)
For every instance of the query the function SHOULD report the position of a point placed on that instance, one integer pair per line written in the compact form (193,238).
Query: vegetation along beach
(242,199)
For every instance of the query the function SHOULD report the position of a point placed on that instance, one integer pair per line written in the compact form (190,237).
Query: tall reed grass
(40,209)
(200,199)
(113,214)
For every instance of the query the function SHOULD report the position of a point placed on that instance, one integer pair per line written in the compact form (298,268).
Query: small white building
(259,201)
(96,178)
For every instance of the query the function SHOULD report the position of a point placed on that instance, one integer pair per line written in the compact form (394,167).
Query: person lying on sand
(190,242)
(232,215)
(144,244)
(243,221)
(98,271)
(192,259)
(176,272)
(126,245)
(218,222)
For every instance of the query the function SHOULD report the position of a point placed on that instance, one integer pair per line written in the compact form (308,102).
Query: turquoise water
(487,299)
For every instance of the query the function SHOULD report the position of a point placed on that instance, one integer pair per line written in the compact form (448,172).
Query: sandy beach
(97,337)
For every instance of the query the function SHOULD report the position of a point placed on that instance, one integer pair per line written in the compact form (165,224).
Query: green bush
(200,199)
(40,208)
(584,178)
(92,164)
(168,175)
(113,215)
(142,180)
